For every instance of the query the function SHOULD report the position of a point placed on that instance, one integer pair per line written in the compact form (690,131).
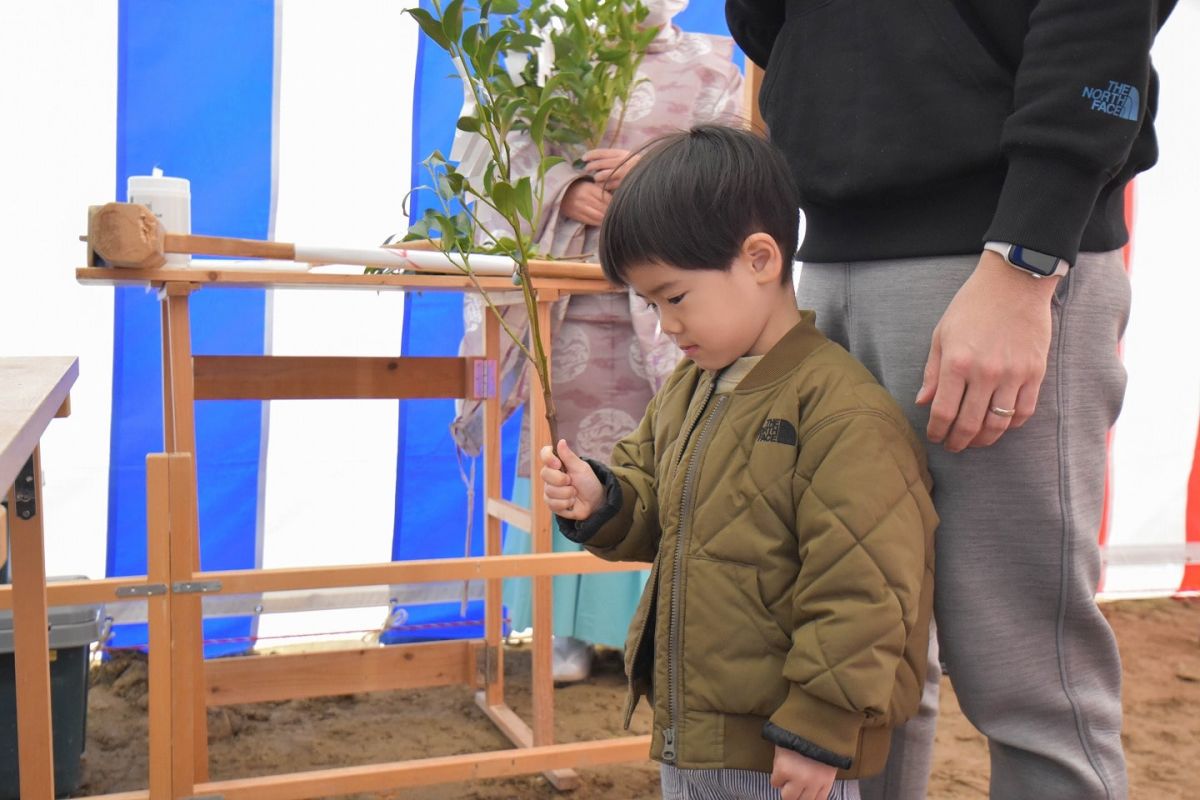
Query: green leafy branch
(588,51)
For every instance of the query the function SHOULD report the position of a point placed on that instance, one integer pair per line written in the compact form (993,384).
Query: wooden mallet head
(127,235)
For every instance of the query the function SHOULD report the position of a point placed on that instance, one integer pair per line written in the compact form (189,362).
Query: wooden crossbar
(69,593)
(509,512)
(77,593)
(258,679)
(324,378)
(248,581)
(430,771)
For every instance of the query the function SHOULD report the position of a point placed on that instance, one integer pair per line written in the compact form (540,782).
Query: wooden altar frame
(183,685)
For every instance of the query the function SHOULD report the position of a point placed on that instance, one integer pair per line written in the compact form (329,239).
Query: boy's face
(714,316)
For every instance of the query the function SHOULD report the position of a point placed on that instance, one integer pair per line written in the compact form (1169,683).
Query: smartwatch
(1028,260)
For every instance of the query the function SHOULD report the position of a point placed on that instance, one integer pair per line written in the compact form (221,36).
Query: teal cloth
(596,608)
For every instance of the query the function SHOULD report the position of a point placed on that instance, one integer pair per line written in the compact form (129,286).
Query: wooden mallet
(128,235)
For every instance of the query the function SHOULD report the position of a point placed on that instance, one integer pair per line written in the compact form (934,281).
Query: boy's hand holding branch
(572,490)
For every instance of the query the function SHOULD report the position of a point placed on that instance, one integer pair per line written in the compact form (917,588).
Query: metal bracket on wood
(148,590)
(481,378)
(196,587)
(26,492)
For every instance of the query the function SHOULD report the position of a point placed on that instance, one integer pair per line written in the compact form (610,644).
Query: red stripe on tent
(1191,573)
(1127,253)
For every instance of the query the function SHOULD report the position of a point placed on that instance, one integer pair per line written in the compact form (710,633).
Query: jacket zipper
(673,647)
(640,641)
(689,426)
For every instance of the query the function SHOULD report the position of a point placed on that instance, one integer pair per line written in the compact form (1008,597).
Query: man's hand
(989,351)
(574,492)
(584,201)
(798,777)
(609,167)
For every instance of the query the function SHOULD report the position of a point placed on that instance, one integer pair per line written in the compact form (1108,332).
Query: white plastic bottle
(169,199)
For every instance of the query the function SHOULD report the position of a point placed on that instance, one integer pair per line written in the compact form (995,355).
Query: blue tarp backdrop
(210,119)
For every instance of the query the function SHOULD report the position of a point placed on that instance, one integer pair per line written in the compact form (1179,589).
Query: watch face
(1032,260)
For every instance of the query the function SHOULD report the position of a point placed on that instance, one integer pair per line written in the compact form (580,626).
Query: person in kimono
(609,356)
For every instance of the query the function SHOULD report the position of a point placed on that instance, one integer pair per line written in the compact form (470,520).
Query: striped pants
(733,784)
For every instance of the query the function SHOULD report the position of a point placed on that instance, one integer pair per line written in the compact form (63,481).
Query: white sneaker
(572,660)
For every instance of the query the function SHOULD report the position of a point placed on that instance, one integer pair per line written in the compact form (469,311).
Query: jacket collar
(787,354)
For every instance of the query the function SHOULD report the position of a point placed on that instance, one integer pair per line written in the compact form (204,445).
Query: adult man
(962,167)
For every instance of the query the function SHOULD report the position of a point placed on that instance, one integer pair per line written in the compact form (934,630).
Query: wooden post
(158,616)
(168,398)
(492,488)
(187,662)
(31,640)
(187,649)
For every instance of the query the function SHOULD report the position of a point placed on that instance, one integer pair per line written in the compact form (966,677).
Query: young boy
(777,489)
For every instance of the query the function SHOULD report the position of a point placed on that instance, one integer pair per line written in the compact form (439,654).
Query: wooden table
(33,391)
(183,685)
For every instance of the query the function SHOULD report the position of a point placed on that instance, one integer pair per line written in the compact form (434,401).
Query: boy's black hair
(694,198)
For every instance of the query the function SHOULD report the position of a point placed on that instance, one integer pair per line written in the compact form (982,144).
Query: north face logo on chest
(777,430)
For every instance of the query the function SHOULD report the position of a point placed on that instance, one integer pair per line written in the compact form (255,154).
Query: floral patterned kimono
(608,355)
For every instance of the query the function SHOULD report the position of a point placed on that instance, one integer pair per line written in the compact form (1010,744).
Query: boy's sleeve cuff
(1045,204)
(784,738)
(582,531)
(830,733)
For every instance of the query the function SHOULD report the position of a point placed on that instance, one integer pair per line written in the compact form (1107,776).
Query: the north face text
(777,430)
(1117,99)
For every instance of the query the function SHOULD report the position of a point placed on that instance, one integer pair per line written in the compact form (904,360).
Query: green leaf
(431,27)
(419,229)
(524,41)
(505,198)
(452,19)
(548,163)
(444,191)
(487,52)
(506,6)
(537,126)
(524,198)
(552,85)
(471,39)
(469,124)
(489,178)
(611,55)
(446,222)
(511,110)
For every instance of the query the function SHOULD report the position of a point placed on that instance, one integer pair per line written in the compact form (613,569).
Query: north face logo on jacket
(777,430)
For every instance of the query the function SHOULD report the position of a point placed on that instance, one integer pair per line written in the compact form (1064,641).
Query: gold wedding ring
(1003,412)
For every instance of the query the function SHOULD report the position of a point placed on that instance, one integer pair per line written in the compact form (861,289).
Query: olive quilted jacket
(790,527)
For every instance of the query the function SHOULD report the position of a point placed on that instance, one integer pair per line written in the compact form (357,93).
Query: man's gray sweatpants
(1033,662)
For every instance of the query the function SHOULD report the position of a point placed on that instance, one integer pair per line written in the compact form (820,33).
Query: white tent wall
(344,154)
(1155,438)
(58,89)
(343,142)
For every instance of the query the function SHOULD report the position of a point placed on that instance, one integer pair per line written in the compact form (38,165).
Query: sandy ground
(1160,644)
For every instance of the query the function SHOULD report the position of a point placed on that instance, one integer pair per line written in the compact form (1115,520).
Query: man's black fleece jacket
(927,127)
